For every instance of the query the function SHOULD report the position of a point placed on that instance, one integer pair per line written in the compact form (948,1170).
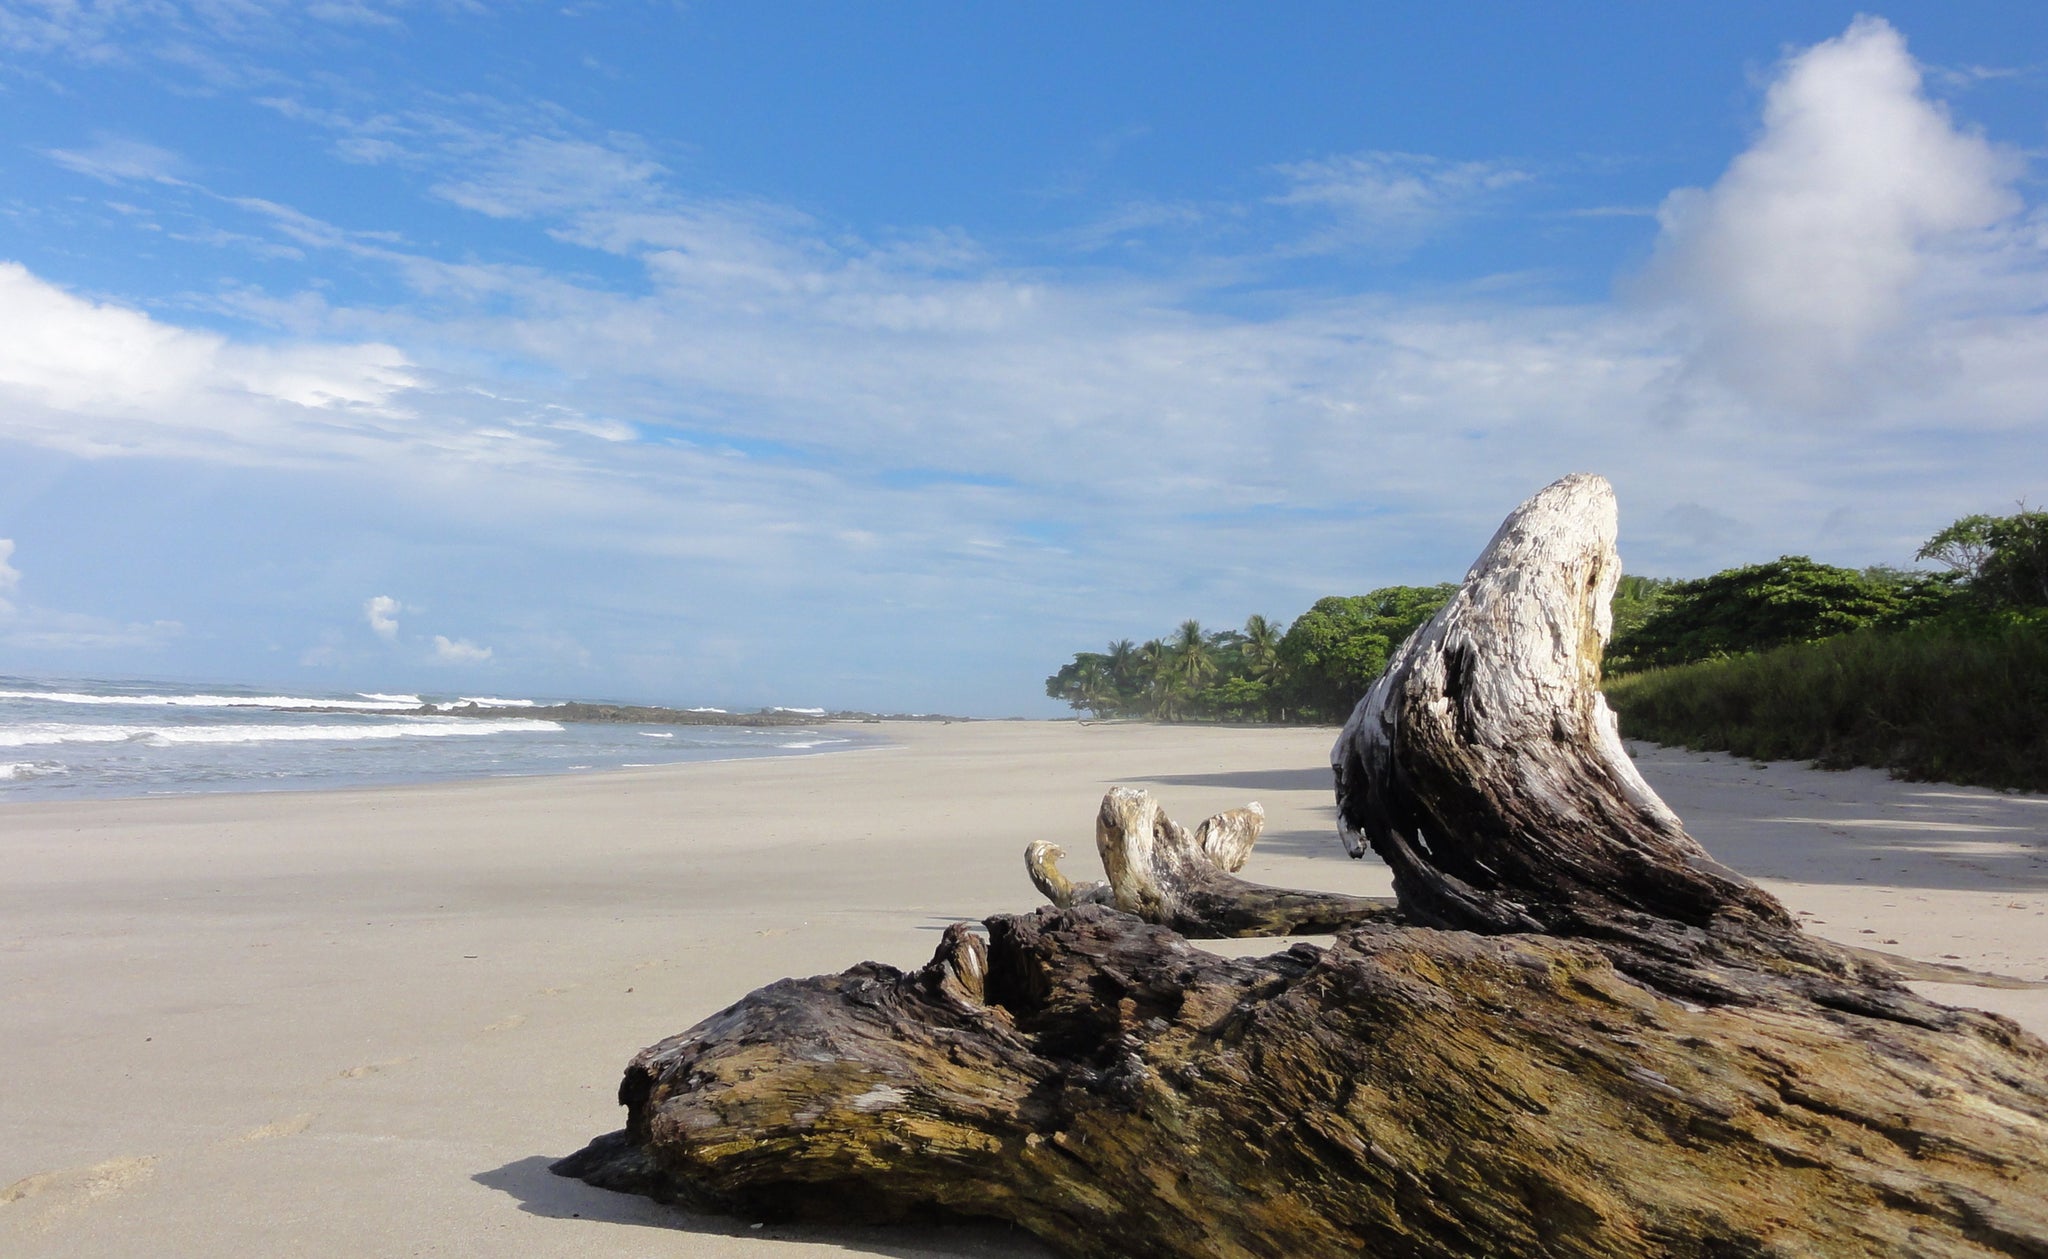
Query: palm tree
(1155,661)
(1260,647)
(1123,670)
(1193,661)
(1092,689)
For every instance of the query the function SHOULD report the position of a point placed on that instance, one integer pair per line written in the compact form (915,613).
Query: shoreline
(37,789)
(363,1020)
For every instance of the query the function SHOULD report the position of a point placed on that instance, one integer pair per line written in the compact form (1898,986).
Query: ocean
(74,738)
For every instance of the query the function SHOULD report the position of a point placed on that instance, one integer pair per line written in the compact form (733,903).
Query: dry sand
(362,1023)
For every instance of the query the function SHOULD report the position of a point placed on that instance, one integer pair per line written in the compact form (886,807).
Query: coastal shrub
(1963,699)
(1791,599)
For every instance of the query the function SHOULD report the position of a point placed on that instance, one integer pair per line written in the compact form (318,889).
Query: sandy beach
(363,1023)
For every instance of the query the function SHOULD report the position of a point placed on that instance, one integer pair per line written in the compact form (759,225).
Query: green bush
(1954,700)
(1792,599)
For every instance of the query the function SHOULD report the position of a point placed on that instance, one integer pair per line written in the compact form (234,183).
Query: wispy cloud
(10,576)
(114,159)
(1392,201)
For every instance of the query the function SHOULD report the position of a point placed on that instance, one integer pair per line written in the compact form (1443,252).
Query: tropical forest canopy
(1994,570)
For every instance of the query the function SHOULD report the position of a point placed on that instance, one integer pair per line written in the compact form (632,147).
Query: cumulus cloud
(99,378)
(381,611)
(1797,267)
(459,651)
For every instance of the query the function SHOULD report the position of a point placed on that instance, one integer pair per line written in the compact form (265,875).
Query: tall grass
(1945,701)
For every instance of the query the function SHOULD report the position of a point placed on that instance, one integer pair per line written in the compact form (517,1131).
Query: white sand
(362,1023)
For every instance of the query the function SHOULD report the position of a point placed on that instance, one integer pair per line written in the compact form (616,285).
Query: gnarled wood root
(1042,860)
(1164,874)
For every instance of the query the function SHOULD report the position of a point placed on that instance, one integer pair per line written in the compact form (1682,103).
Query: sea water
(83,737)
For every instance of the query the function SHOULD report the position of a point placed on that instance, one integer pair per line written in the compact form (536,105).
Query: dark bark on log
(1601,1043)
(1404,1092)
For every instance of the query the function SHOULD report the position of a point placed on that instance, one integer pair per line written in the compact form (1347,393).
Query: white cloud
(114,159)
(381,611)
(1797,268)
(1393,200)
(459,651)
(535,175)
(10,576)
(98,379)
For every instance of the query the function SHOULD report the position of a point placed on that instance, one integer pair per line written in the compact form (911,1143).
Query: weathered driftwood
(1226,839)
(1042,860)
(1165,875)
(1602,1043)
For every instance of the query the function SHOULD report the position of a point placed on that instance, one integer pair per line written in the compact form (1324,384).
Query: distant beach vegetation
(1313,671)
(1937,675)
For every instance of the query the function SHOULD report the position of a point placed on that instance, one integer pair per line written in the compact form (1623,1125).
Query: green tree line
(1992,585)
(1314,670)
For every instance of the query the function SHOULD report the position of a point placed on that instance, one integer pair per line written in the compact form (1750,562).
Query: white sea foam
(488,701)
(659,734)
(36,734)
(28,769)
(806,712)
(410,701)
(705,710)
(369,702)
(798,744)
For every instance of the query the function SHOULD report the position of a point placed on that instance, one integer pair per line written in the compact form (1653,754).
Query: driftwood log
(1587,1038)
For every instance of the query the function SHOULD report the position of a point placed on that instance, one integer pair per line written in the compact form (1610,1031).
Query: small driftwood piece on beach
(1587,1038)
(1165,874)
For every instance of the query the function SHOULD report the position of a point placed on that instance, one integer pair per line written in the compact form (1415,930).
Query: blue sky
(884,356)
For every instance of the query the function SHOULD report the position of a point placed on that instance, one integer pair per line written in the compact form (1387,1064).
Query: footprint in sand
(62,1193)
(371,1068)
(505,1024)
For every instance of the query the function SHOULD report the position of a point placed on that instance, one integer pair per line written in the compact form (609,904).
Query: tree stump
(1586,1039)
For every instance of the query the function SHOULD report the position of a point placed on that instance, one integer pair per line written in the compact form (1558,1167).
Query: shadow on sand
(1314,779)
(541,1192)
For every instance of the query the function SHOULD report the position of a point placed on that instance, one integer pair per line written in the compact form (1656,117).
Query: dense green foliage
(1932,677)
(1789,600)
(2002,561)
(1636,600)
(1334,651)
(1960,700)
(1315,671)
